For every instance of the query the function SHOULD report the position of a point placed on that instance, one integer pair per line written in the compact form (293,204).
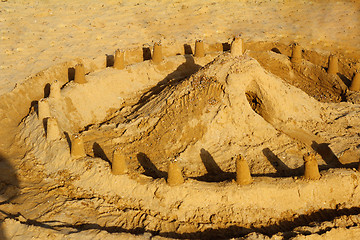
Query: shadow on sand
(9,186)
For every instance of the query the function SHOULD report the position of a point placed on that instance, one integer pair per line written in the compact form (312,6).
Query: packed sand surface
(243,135)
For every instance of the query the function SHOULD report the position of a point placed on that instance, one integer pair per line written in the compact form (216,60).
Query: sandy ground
(200,110)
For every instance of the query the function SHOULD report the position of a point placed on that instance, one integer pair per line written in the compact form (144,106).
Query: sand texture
(179,120)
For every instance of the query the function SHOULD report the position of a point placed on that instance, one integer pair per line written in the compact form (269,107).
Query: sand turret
(55,90)
(118,166)
(243,175)
(199,48)
(79,73)
(43,109)
(157,53)
(52,130)
(77,147)
(237,46)
(296,53)
(119,59)
(311,167)
(355,83)
(333,65)
(174,174)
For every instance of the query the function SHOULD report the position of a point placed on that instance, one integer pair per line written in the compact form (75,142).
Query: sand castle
(224,102)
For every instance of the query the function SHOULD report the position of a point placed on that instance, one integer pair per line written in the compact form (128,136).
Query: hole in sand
(255,102)
(276,50)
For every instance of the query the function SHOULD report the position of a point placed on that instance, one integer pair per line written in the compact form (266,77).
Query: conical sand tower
(243,176)
(174,174)
(311,167)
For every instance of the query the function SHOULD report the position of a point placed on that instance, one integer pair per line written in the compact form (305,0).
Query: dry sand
(201,111)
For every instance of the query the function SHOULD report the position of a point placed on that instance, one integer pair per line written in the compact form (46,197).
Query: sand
(259,101)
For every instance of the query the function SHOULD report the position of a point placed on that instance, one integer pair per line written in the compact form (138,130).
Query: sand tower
(55,90)
(199,48)
(311,167)
(296,53)
(52,131)
(43,109)
(333,65)
(243,175)
(79,73)
(157,53)
(118,166)
(174,174)
(119,59)
(355,83)
(237,46)
(77,147)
